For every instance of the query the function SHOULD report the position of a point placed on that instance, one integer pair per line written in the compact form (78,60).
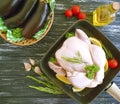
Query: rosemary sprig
(108,53)
(47,85)
(39,81)
(46,89)
(73,59)
(76,59)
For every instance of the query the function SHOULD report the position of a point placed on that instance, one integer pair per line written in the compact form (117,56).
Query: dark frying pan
(88,94)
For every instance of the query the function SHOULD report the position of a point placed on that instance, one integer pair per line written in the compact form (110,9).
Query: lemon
(106,66)
(95,41)
(76,89)
(63,79)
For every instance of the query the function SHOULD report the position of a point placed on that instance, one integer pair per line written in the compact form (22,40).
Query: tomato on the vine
(81,15)
(68,13)
(113,63)
(75,10)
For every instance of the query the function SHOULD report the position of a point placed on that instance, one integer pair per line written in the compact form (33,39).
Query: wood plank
(13,82)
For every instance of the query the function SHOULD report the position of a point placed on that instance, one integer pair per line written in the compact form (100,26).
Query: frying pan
(88,94)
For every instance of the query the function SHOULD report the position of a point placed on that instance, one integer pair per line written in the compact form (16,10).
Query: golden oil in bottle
(105,14)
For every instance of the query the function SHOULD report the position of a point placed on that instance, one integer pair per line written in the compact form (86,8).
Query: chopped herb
(91,70)
(76,59)
(68,35)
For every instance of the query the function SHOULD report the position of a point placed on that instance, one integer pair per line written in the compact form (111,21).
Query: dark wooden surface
(13,82)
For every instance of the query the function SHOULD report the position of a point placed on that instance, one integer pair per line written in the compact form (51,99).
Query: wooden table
(13,82)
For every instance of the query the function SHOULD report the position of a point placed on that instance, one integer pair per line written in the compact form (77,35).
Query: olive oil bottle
(105,14)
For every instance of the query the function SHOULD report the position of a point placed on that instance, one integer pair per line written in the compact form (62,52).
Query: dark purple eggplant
(37,20)
(8,7)
(22,15)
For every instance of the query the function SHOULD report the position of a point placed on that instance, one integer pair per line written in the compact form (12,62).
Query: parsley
(91,70)
(68,35)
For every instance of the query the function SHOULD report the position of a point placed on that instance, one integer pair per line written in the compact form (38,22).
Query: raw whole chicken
(74,55)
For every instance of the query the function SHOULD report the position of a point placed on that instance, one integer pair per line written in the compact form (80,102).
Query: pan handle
(114,91)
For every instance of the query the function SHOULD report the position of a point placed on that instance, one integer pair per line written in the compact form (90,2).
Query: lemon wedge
(106,66)
(76,89)
(95,41)
(63,79)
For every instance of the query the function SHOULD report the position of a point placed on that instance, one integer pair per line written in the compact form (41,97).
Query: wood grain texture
(13,82)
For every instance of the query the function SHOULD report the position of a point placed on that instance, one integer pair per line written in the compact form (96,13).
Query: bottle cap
(116,6)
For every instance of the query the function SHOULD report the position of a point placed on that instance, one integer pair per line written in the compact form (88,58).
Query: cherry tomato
(75,10)
(81,15)
(68,13)
(113,63)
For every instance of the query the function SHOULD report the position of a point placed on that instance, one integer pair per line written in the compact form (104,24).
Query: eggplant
(37,20)
(19,19)
(8,7)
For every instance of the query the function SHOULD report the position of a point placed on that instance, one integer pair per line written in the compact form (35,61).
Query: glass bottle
(105,14)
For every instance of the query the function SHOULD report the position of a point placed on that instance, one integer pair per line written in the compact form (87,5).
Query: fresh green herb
(45,85)
(91,70)
(17,32)
(108,53)
(90,75)
(46,89)
(68,35)
(76,59)
(52,59)
(73,59)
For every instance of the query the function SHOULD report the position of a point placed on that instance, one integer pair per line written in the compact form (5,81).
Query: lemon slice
(63,79)
(77,89)
(106,66)
(95,41)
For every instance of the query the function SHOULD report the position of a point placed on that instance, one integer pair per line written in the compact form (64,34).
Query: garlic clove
(27,66)
(32,62)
